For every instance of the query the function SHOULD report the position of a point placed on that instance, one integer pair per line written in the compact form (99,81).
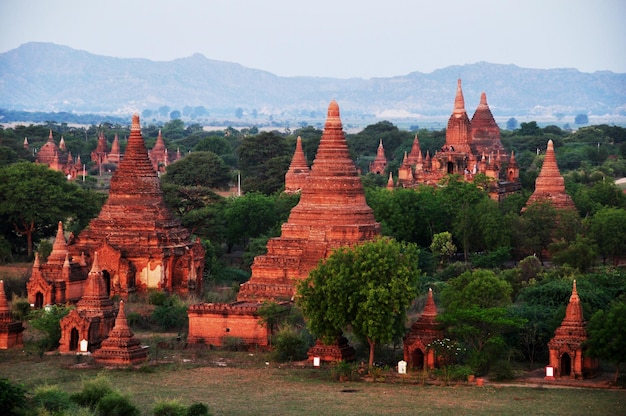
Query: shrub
(47,322)
(170,317)
(12,397)
(115,404)
(20,307)
(198,409)
(169,408)
(501,371)
(233,343)
(157,298)
(289,345)
(93,391)
(52,398)
(459,372)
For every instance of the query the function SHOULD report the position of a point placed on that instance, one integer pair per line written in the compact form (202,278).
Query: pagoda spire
(459,101)
(62,143)
(115,147)
(298,170)
(50,138)
(59,247)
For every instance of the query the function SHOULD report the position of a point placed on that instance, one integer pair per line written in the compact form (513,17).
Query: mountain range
(48,77)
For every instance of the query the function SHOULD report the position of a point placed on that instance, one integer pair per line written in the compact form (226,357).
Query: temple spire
(459,101)
(4,305)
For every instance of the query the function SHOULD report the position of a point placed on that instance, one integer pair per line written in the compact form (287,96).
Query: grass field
(240,383)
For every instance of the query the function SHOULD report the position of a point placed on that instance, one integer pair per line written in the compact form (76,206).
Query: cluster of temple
(58,158)
(472,147)
(134,244)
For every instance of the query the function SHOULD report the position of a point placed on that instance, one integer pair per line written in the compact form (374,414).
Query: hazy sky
(337,38)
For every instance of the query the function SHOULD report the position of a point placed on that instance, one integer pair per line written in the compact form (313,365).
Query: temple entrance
(106,276)
(39,300)
(418,359)
(74,339)
(566,365)
(450,168)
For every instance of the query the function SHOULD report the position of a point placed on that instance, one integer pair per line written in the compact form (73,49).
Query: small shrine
(332,212)
(567,346)
(425,330)
(10,329)
(380,161)
(160,157)
(56,157)
(121,348)
(550,185)
(93,317)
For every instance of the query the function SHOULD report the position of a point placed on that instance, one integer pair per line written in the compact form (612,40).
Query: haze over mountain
(49,77)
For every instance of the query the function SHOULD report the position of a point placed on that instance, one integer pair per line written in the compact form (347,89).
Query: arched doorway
(106,276)
(39,300)
(566,365)
(74,339)
(450,169)
(418,359)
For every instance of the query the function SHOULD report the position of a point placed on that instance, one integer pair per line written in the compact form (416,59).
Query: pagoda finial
(430,309)
(50,138)
(135,123)
(37,263)
(95,267)
(459,101)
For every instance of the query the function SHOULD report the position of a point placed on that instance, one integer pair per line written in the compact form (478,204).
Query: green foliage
(157,298)
(92,392)
(289,345)
(47,322)
(233,343)
(366,288)
(493,259)
(52,398)
(607,334)
(608,228)
(344,371)
(170,316)
(44,248)
(169,408)
(272,314)
(263,161)
(116,404)
(199,169)
(442,246)
(12,397)
(198,409)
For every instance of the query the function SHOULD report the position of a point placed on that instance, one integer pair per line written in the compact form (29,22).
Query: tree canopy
(199,169)
(366,289)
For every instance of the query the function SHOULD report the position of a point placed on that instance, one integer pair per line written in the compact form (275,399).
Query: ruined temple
(121,348)
(332,212)
(10,329)
(550,185)
(425,330)
(58,158)
(141,245)
(93,317)
(471,148)
(298,170)
(567,346)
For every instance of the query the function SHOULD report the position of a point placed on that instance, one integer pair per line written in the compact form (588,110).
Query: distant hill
(48,77)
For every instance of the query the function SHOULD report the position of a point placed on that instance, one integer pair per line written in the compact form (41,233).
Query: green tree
(33,199)
(607,334)
(442,246)
(608,229)
(476,311)
(366,289)
(248,216)
(199,169)
(263,160)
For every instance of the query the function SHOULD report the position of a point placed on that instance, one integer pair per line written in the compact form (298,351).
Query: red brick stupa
(425,330)
(332,213)
(93,317)
(121,348)
(566,348)
(10,329)
(485,132)
(550,185)
(380,162)
(140,243)
(298,170)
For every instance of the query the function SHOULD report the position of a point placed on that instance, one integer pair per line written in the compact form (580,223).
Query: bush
(459,372)
(198,409)
(289,345)
(169,408)
(170,317)
(47,322)
(93,391)
(20,307)
(115,404)
(12,397)
(233,343)
(52,398)
(157,298)
(502,371)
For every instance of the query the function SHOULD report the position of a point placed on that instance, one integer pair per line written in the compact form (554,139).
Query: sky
(340,38)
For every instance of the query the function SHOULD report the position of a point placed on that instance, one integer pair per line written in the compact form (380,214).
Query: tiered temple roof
(142,244)
(332,212)
(380,162)
(298,170)
(121,348)
(485,132)
(550,185)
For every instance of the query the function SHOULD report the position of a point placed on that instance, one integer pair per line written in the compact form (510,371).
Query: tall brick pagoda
(93,317)
(140,244)
(121,348)
(425,330)
(332,213)
(567,345)
(550,185)
(379,163)
(10,329)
